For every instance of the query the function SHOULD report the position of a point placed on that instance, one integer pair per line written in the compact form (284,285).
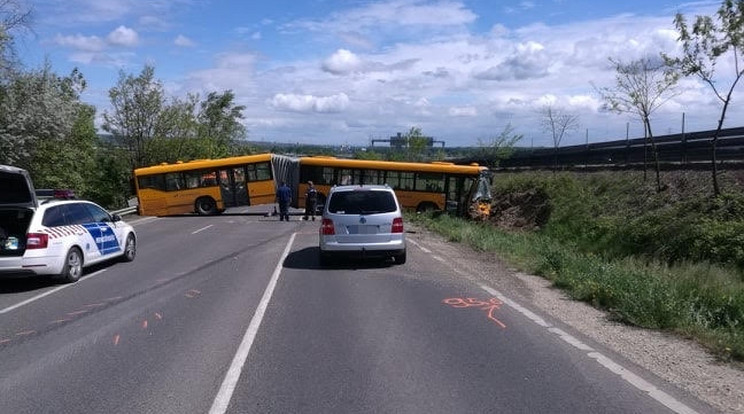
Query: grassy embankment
(671,261)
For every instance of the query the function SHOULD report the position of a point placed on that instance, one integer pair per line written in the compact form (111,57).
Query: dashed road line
(140,221)
(202,229)
(49,292)
(224,395)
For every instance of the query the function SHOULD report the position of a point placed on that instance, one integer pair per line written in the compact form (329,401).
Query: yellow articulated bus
(204,186)
(419,186)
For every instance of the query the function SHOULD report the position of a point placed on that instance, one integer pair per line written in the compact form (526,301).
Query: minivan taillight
(37,241)
(326,227)
(397,225)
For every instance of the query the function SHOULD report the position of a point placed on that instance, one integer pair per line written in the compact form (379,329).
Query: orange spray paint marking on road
(158,316)
(116,339)
(25,333)
(489,306)
(144,324)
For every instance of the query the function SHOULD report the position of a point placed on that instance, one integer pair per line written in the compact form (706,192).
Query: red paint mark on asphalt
(116,339)
(489,306)
(157,315)
(25,333)
(144,324)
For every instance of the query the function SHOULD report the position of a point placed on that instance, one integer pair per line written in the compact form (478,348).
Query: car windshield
(362,202)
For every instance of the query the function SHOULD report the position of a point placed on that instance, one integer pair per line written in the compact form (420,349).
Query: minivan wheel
(73,268)
(130,249)
(400,258)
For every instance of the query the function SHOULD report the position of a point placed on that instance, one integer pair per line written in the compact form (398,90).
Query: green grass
(700,300)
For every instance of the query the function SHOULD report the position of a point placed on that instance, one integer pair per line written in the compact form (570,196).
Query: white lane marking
(423,249)
(519,308)
(140,221)
(571,339)
(222,400)
(49,292)
(202,229)
(643,385)
(631,378)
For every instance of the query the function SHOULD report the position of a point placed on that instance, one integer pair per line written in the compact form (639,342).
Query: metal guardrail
(125,211)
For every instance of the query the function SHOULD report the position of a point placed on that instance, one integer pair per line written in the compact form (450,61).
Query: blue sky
(327,71)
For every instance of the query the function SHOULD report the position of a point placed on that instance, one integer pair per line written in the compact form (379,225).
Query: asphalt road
(178,331)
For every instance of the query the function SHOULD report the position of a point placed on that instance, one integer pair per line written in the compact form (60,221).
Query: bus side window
(192,178)
(406,181)
(327,176)
(174,181)
(392,178)
(251,169)
(155,182)
(263,171)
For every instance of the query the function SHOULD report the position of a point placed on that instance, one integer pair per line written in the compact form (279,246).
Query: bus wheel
(205,206)
(426,207)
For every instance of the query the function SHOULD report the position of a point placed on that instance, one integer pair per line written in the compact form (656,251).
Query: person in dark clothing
(284,198)
(311,201)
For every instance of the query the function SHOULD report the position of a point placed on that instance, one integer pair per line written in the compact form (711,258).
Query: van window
(362,202)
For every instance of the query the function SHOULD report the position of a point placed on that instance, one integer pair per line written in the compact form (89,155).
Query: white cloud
(342,62)
(183,41)
(398,13)
(153,23)
(256,36)
(463,111)
(80,42)
(310,103)
(123,36)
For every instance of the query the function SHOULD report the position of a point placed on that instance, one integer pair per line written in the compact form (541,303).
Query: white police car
(56,237)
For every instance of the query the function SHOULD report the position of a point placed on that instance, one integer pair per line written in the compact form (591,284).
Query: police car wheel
(130,249)
(73,268)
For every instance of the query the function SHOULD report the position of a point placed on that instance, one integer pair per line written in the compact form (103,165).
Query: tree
(641,87)
(14,15)
(558,123)
(137,103)
(219,122)
(500,146)
(705,44)
(417,144)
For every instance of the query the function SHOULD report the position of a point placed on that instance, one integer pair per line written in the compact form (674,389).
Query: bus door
(455,202)
(232,187)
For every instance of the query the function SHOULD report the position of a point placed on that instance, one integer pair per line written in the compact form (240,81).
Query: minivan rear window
(14,189)
(362,202)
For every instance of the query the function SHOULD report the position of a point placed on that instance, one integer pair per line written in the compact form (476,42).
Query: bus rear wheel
(206,206)
(426,207)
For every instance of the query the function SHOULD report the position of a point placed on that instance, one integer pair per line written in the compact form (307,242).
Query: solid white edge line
(629,377)
(423,249)
(202,229)
(140,221)
(224,395)
(47,293)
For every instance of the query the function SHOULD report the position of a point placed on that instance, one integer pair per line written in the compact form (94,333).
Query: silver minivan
(362,221)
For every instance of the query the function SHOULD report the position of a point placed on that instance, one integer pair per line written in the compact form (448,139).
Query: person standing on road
(284,198)
(311,201)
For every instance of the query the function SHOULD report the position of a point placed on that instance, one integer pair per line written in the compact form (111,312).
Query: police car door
(104,231)
(77,223)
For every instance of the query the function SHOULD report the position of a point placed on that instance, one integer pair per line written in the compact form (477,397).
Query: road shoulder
(679,361)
